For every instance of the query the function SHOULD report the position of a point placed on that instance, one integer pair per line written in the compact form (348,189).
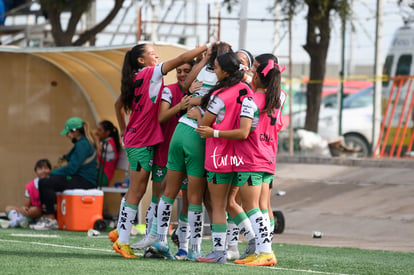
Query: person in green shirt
(80,172)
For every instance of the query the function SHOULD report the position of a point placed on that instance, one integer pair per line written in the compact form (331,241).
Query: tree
(318,35)
(53,9)
(317,43)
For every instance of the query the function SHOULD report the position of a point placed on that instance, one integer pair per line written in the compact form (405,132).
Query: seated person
(79,173)
(31,210)
(107,143)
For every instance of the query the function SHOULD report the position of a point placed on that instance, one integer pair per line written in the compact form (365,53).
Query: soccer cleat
(152,253)
(124,249)
(45,224)
(263,259)
(192,256)
(146,241)
(250,249)
(113,235)
(218,257)
(163,249)
(181,254)
(248,259)
(232,253)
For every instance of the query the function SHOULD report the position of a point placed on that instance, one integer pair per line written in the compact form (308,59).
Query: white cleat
(146,241)
(232,253)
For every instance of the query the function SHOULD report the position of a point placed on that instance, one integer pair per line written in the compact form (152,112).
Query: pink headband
(270,65)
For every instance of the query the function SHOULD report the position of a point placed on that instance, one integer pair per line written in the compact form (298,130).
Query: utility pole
(342,74)
(243,24)
(378,77)
(291,143)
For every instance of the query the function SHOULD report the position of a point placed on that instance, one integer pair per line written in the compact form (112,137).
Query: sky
(360,43)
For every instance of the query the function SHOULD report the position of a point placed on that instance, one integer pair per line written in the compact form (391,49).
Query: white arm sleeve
(215,105)
(166,95)
(248,108)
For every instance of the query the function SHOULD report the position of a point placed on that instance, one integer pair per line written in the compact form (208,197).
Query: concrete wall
(39,91)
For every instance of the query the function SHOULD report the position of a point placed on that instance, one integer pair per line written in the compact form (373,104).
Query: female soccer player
(223,105)
(142,83)
(258,153)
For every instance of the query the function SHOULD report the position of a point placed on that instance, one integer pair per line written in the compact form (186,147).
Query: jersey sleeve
(156,83)
(215,105)
(248,108)
(157,74)
(167,95)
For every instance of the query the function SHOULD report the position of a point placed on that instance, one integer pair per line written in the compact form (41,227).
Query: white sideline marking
(307,271)
(293,269)
(34,235)
(58,245)
(111,251)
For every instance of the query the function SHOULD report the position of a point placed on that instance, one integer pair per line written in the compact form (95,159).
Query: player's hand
(205,131)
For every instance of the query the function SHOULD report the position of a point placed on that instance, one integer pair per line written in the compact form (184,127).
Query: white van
(399,62)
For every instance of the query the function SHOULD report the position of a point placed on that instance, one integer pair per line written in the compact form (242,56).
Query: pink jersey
(168,127)
(143,128)
(109,161)
(258,152)
(220,156)
(32,192)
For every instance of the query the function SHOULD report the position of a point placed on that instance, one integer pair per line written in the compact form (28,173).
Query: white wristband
(208,45)
(216,133)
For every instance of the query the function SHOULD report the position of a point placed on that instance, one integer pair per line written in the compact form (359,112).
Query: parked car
(329,95)
(357,115)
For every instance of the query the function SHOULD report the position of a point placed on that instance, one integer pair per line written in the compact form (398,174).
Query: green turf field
(24,251)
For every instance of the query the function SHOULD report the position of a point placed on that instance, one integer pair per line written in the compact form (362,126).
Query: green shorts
(268,178)
(184,185)
(141,157)
(220,178)
(252,178)
(158,173)
(187,150)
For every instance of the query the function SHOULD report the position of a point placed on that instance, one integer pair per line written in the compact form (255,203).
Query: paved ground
(362,204)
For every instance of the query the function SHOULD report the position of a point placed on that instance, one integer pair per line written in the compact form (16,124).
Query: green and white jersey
(209,79)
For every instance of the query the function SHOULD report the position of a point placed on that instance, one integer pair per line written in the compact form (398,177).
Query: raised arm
(181,59)
(194,72)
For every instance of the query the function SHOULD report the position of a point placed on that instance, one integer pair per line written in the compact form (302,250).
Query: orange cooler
(79,209)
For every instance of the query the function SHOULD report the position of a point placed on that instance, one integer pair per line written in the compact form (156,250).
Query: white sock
(195,219)
(268,223)
(153,230)
(121,205)
(232,238)
(163,218)
(218,235)
(246,226)
(150,215)
(263,242)
(125,221)
(183,231)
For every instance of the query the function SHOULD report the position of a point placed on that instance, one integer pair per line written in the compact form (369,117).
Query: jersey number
(242,92)
(272,120)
